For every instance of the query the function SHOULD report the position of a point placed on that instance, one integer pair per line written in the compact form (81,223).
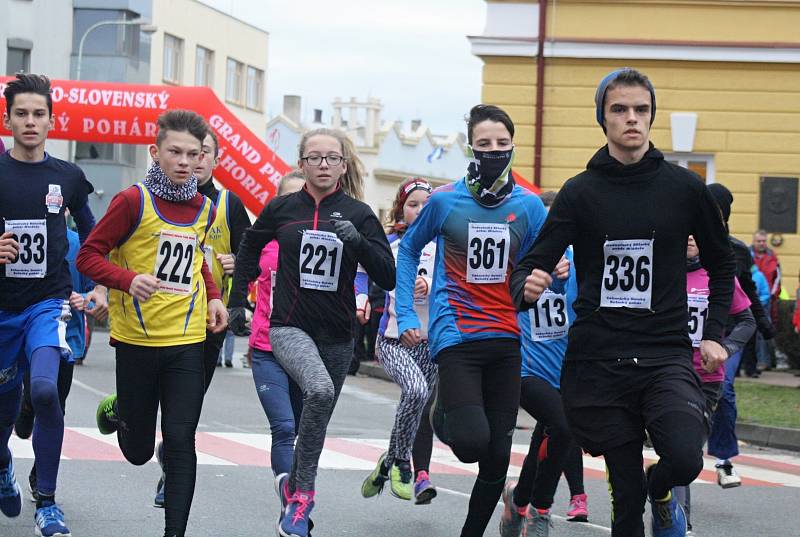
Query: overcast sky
(412,54)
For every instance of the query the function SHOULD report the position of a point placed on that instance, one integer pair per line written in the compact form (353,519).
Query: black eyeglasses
(316,160)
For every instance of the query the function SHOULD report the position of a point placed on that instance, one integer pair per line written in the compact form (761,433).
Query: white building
(390,151)
(193,44)
(197,45)
(36,44)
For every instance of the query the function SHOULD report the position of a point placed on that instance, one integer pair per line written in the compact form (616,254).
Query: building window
(107,40)
(111,153)
(255,88)
(18,60)
(234,81)
(702,165)
(173,59)
(204,67)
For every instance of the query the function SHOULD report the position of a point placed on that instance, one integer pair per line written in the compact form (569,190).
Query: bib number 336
(487,253)
(628,274)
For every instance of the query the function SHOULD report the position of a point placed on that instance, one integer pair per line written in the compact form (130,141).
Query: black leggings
(423,442)
(172,377)
(211,350)
(551,443)
(678,440)
(479,386)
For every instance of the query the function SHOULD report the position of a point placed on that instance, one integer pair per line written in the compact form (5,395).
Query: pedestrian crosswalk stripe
(340,453)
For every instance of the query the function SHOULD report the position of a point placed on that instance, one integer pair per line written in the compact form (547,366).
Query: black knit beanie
(723,197)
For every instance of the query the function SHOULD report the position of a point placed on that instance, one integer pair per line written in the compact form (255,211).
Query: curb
(773,437)
(374,370)
(757,435)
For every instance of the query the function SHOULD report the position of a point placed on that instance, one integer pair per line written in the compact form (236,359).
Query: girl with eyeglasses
(323,235)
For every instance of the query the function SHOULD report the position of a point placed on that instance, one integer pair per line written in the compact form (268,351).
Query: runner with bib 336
(628,365)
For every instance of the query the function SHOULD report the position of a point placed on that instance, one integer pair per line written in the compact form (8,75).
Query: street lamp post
(146,27)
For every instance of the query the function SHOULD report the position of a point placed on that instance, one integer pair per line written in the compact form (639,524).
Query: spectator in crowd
(767,262)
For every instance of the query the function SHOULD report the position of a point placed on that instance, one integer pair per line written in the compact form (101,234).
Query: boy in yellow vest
(221,245)
(162,299)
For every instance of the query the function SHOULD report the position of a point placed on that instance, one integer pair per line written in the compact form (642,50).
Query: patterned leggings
(414,371)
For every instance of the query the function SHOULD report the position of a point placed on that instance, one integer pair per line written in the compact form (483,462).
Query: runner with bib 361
(481,225)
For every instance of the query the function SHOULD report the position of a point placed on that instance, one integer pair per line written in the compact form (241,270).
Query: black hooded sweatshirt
(649,200)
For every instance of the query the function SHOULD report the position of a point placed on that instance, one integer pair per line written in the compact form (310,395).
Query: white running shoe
(727,477)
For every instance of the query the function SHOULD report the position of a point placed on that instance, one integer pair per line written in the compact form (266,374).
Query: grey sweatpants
(320,371)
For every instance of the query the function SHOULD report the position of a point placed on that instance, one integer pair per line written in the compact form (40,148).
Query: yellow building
(727,79)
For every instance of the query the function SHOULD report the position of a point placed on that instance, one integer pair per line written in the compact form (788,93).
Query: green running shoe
(373,484)
(107,416)
(402,481)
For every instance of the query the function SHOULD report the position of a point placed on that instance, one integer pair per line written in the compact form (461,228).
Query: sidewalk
(759,435)
(784,378)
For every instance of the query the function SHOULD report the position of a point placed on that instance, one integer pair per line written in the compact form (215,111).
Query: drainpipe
(537,142)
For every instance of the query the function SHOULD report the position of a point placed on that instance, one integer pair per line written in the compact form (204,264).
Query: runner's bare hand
(98,295)
(411,338)
(217,316)
(9,248)
(420,288)
(228,262)
(713,355)
(562,269)
(535,284)
(143,286)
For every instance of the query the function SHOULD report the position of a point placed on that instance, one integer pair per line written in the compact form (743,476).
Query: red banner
(118,113)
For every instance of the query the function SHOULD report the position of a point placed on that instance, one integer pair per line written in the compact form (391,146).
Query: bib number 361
(320,260)
(628,274)
(487,253)
(31,262)
(175,262)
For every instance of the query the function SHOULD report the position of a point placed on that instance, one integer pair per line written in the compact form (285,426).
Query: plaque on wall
(777,208)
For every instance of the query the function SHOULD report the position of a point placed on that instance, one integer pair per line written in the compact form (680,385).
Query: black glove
(767,330)
(348,233)
(237,322)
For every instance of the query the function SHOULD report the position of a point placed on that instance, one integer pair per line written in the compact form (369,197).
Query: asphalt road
(102,495)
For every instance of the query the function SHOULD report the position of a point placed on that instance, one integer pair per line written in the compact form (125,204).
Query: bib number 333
(31,262)
(628,274)
(487,253)
(320,260)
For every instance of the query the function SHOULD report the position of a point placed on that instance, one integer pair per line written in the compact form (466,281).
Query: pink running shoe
(578,511)
(513,517)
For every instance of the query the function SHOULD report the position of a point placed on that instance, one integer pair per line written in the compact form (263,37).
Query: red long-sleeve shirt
(117,224)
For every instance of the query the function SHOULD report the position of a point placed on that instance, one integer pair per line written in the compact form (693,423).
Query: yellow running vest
(176,313)
(218,241)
